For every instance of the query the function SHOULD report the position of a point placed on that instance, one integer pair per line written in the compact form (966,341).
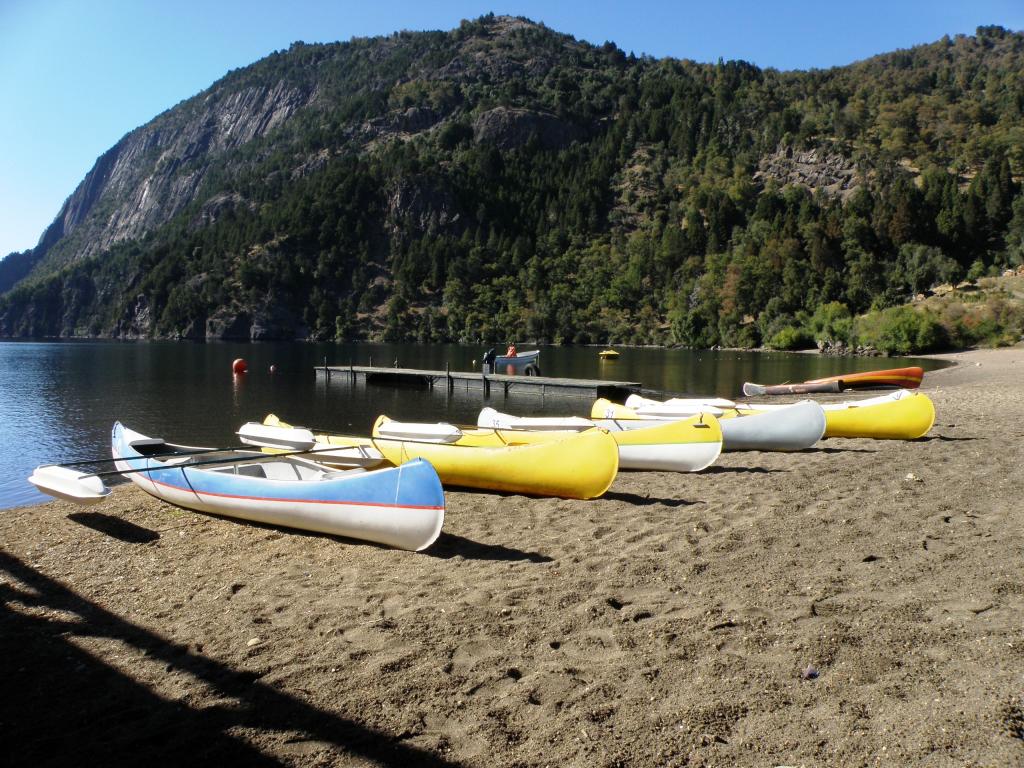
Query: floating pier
(616,390)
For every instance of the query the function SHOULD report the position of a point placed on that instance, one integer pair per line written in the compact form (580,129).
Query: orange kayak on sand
(901,378)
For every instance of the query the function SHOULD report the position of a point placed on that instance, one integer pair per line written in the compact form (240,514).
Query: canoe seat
(250,470)
(280,470)
(343,473)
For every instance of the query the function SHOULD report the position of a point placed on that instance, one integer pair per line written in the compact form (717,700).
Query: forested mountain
(502,180)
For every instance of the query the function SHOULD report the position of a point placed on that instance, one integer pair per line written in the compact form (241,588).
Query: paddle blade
(754,390)
(69,484)
(282,438)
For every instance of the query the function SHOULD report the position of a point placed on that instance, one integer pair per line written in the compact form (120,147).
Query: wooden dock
(618,390)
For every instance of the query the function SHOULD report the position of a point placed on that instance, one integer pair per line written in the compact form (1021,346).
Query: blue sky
(75,76)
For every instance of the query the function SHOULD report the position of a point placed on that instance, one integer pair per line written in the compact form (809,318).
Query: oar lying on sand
(297,438)
(63,482)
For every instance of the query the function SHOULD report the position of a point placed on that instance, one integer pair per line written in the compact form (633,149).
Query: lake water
(58,400)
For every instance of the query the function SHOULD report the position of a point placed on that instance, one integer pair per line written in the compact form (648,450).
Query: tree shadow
(449,545)
(646,501)
(69,707)
(115,527)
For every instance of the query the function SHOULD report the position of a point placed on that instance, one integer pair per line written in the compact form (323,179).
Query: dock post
(487,385)
(327,371)
(448,374)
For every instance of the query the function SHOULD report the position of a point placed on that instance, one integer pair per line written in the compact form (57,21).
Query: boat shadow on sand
(833,449)
(41,622)
(646,501)
(719,470)
(449,545)
(115,527)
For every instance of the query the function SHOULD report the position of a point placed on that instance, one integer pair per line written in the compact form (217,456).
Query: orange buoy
(239,366)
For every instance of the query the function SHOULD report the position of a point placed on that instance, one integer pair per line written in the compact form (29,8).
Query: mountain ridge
(505,154)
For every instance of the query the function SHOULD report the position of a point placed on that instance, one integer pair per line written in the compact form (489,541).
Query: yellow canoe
(570,465)
(684,445)
(902,415)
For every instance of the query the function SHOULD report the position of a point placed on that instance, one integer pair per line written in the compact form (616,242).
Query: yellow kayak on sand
(686,445)
(579,465)
(902,415)
(570,465)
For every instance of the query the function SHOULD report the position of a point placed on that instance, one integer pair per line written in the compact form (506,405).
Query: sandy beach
(861,603)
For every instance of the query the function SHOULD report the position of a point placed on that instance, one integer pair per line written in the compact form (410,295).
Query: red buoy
(239,366)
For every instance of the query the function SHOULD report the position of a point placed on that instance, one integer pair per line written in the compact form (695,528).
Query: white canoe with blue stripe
(401,507)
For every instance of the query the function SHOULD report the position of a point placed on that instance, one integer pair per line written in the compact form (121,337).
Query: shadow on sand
(115,527)
(69,707)
(716,470)
(449,545)
(646,501)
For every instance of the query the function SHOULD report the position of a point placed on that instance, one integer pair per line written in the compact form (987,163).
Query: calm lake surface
(58,400)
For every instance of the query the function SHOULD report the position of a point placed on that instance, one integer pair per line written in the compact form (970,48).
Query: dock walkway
(449,379)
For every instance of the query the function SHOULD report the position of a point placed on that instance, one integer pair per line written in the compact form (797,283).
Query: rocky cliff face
(157,170)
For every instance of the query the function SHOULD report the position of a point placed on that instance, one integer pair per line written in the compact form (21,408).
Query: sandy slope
(858,604)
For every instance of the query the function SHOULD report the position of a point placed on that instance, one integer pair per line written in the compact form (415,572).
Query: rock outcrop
(816,169)
(508,128)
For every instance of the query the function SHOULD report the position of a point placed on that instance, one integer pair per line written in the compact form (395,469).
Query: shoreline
(860,602)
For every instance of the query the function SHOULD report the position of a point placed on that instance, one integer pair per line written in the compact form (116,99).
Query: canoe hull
(905,378)
(793,427)
(400,507)
(573,466)
(796,427)
(903,415)
(805,388)
(686,445)
(517,364)
(900,415)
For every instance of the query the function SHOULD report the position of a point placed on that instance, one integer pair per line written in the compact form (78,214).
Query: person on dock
(488,360)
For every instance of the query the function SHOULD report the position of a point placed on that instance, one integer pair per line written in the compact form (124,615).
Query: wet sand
(861,603)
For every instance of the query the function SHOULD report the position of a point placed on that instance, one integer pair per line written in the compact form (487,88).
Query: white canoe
(794,427)
(401,507)
(677,445)
(682,403)
(644,407)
